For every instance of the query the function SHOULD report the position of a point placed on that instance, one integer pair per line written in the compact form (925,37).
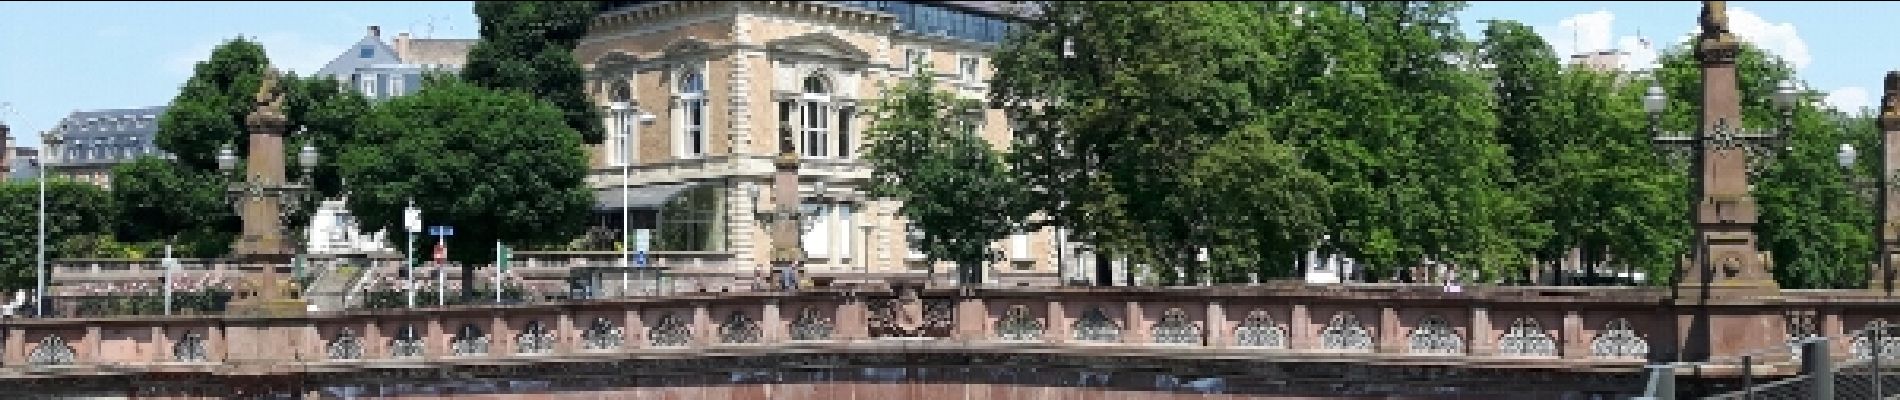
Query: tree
(529,46)
(160,200)
(495,165)
(1117,103)
(952,184)
(1581,159)
(73,210)
(210,109)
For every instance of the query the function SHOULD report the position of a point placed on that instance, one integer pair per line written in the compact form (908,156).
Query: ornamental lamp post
(1723,157)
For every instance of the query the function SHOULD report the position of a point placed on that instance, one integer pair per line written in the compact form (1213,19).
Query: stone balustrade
(1576,329)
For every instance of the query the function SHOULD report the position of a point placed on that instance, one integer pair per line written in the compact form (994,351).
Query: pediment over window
(614,65)
(685,46)
(819,44)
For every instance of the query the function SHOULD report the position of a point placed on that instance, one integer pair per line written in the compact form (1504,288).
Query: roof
(101,121)
(453,52)
(344,64)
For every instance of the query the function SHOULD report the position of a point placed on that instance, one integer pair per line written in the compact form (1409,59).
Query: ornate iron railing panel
(670,331)
(52,350)
(602,335)
(534,339)
(1618,340)
(1259,330)
(1095,326)
(1174,328)
(739,328)
(406,344)
(1017,324)
(344,346)
(189,348)
(469,341)
(1344,333)
(810,325)
(1526,338)
(1434,336)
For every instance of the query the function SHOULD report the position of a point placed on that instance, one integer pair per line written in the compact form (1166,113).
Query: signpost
(411,222)
(441,234)
(641,237)
(171,264)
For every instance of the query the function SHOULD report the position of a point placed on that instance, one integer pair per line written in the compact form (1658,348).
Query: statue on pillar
(1890,102)
(1715,21)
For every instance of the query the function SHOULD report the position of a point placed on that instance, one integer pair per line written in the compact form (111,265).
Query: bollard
(1662,382)
(1748,377)
(1816,365)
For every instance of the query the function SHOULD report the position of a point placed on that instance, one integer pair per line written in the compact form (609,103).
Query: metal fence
(1870,372)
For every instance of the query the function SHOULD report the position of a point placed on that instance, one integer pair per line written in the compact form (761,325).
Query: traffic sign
(640,259)
(442,230)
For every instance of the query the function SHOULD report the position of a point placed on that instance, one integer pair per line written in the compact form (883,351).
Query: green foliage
(211,107)
(1579,142)
(954,186)
(496,165)
(529,46)
(159,200)
(73,210)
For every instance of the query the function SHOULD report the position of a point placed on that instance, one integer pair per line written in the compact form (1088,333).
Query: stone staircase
(330,291)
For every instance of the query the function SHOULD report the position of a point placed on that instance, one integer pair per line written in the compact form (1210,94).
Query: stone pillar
(1576,345)
(772,329)
(565,333)
(635,332)
(501,340)
(1215,327)
(159,351)
(1299,329)
(1889,205)
(1134,324)
(16,347)
(1390,333)
(1483,342)
(375,344)
(1057,329)
(91,345)
(705,331)
(435,340)
(972,320)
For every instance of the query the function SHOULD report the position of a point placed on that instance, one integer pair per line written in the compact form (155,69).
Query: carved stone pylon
(1888,204)
(1726,259)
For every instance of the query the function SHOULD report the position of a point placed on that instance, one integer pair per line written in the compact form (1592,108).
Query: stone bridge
(1263,341)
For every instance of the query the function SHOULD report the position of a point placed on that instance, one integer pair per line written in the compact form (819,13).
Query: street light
(227,159)
(629,130)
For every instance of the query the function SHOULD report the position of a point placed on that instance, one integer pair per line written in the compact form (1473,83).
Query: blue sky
(66,56)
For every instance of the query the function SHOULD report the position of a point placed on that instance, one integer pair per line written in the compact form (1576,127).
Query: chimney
(402,46)
(376,31)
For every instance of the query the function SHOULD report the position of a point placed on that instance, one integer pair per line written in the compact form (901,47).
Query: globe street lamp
(1724,211)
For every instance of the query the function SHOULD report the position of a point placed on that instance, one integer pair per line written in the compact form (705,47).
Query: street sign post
(441,257)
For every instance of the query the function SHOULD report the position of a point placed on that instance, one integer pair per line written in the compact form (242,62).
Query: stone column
(501,341)
(91,346)
(1483,343)
(1299,329)
(850,320)
(435,340)
(1133,323)
(1889,205)
(1576,345)
(635,332)
(1216,325)
(1391,334)
(1057,330)
(972,320)
(565,334)
(705,331)
(773,326)
(16,347)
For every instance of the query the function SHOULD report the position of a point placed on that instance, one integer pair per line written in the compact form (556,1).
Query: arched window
(692,119)
(814,104)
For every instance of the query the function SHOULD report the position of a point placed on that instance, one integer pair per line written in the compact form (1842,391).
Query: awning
(644,197)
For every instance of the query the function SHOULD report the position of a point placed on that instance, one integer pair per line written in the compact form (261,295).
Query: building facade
(22,163)
(381,70)
(87,144)
(720,79)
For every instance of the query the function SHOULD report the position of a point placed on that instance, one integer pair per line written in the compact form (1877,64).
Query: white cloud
(1581,33)
(287,51)
(1779,39)
(1850,99)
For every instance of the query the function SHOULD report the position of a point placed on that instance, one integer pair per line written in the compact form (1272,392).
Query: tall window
(844,132)
(914,59)
(695,220)
(692,125)
(815,104)
(827,229)
(966,69)
(369,85)
(618,151)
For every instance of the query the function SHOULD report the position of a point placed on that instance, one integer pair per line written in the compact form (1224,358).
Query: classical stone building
(381,70)
(720,79)
(87,144)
